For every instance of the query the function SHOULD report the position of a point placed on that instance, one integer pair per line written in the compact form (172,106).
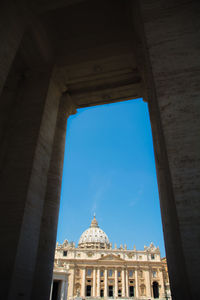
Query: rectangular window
(101,293)
(131,291)
(65,253)
(110,291)
(154,274)
(119,273)
(152,256)
(110,273)
(119,293)
(130,273)
(88,290)
(89,272)
(102,273)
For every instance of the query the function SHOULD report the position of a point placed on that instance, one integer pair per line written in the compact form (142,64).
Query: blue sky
(109,170)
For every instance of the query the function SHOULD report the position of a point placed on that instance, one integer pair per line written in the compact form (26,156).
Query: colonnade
(121,284)
(62,290)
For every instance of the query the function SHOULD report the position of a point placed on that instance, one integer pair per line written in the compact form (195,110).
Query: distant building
(96,270)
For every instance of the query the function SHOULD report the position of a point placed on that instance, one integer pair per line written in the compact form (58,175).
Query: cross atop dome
(94,222)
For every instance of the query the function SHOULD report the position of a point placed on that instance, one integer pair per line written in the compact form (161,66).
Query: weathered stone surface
(24,170)
(48,230)
(11,32)
(172,43)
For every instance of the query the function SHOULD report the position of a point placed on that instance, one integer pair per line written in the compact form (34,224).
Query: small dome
(94,234)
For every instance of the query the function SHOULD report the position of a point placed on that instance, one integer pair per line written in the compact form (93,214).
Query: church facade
(96,270)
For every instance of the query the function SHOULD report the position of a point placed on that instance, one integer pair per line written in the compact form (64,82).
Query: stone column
(123,283)
(25,161)
(12,24)
(62,292)
(65,289)
(94,282)
(136,284)
(116,283)
(51,290)
(48,230)
(162,289)
(174,108)
(98,282)
(71,280)
(83,284)
(148,283)
(127,291)
(105,283)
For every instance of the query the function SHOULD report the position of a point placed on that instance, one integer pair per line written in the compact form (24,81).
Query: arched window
(155,290)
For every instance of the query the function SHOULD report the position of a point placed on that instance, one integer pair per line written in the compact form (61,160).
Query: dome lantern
(94,222)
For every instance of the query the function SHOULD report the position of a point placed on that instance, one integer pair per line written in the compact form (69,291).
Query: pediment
(110,257)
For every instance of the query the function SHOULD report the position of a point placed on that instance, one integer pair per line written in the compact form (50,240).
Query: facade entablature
(91,255)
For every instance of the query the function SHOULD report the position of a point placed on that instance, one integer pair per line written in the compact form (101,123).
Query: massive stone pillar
(12,26)
(27,148)
(170,39)
(48,228)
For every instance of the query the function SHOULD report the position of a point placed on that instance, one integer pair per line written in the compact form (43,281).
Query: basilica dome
(94,235)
